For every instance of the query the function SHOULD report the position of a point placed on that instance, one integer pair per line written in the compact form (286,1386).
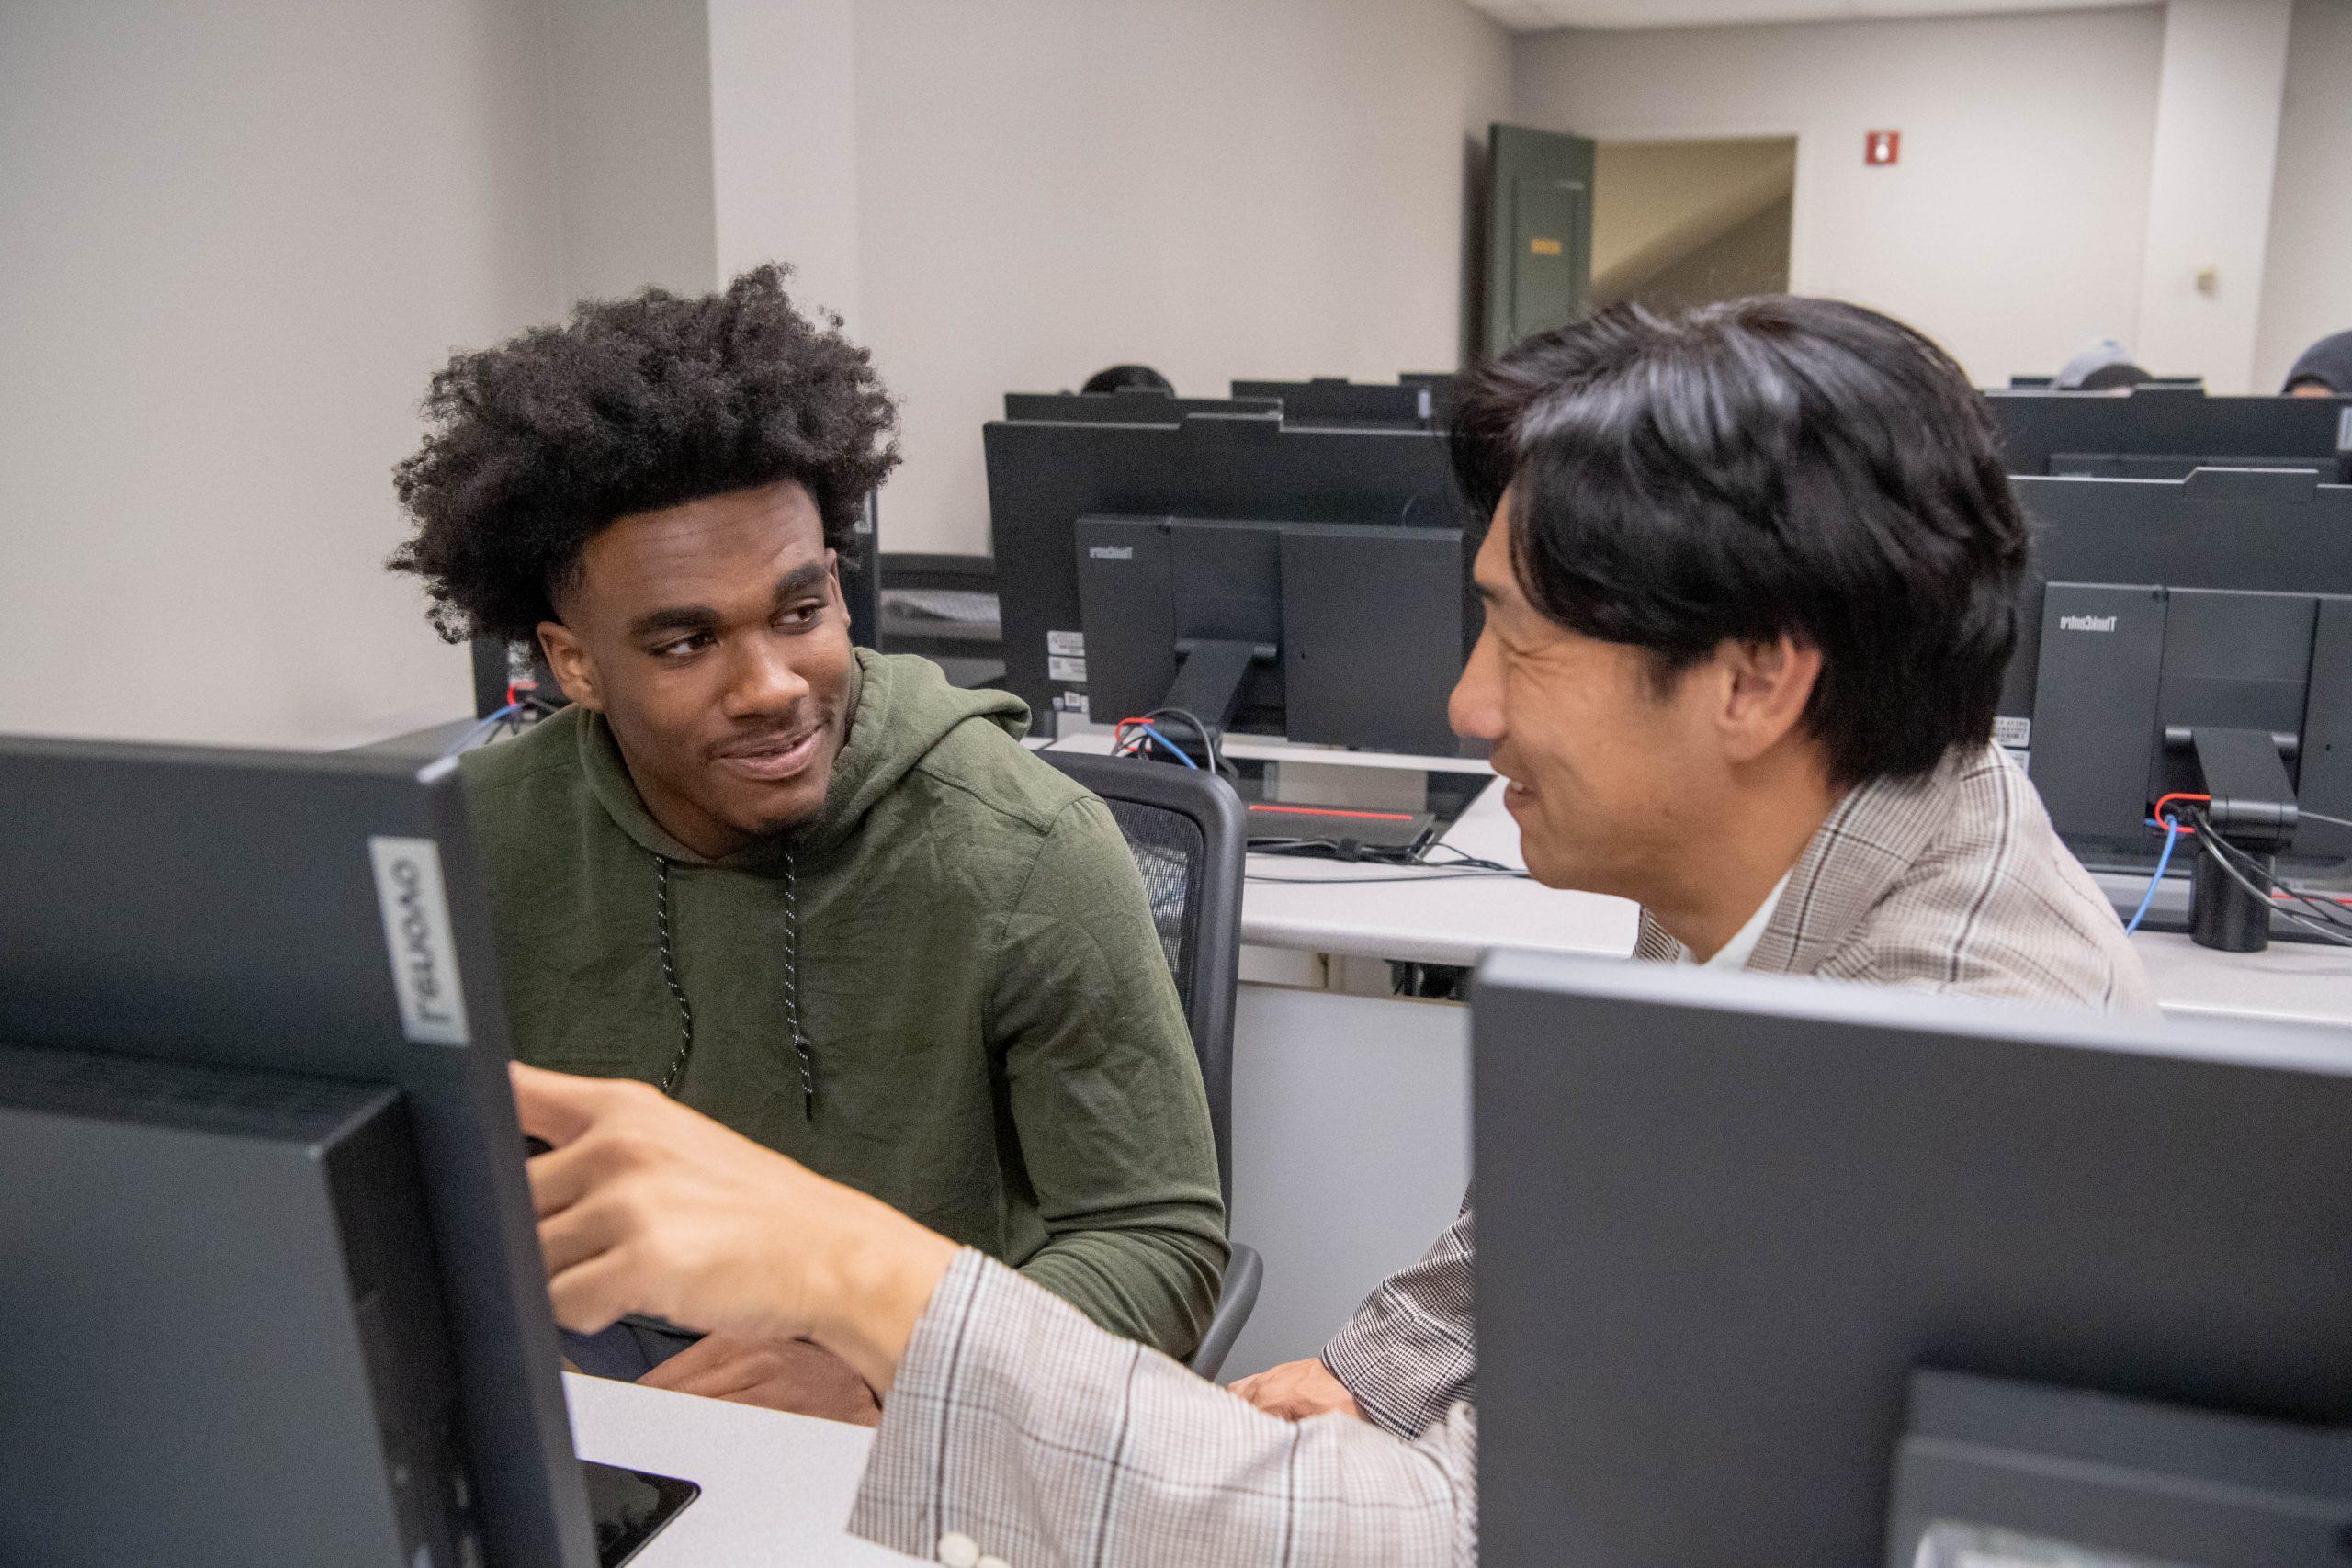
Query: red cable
(1334,811)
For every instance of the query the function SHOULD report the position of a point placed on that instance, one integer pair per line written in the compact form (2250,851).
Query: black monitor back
(1334,400)
(318,916)
(2220,599)
(2264,533)
(2160,431)
(2131,674)
(1367,627)
(1131,405)
(1723,1217)
(1044,478)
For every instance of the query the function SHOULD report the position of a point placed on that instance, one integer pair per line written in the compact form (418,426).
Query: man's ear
(1766,689)
(834,571)
(574,671)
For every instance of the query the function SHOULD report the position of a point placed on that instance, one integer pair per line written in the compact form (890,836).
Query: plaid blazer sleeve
(1020,1426)
(1410,1353)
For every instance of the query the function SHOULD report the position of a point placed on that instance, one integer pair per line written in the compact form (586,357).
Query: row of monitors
(1327,571)
(1416,401)
(2157,432)
(1854,1266)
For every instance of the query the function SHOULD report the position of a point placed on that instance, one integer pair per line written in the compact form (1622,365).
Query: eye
(802,615)
(680,647)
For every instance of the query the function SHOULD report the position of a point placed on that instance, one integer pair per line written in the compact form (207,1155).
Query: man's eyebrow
(800,580)
(677,618)
(702,618)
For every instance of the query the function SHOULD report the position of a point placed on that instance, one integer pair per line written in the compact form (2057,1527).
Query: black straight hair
(1759,467)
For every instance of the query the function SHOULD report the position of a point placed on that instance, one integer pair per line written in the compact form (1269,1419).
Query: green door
(1539,232)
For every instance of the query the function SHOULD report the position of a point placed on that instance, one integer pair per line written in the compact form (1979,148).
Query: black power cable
(2323,906)
(2210,844)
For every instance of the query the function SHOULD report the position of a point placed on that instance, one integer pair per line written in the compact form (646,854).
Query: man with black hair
(1751,588)
(813,892)
(1752,580)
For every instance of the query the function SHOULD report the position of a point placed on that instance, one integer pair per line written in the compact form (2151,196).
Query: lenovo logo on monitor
(2087,622)
(417,937)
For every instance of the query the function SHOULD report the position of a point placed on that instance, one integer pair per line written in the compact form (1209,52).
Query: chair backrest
(1189,835)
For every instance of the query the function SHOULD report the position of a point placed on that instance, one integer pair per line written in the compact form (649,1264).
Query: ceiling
(1530,16)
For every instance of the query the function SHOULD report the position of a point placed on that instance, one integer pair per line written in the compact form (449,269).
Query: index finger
(558,1106)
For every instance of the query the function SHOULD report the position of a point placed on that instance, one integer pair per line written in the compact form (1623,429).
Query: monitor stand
(1208,682)
(2253,806)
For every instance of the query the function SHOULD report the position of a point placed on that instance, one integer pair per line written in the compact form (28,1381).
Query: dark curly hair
(636,404)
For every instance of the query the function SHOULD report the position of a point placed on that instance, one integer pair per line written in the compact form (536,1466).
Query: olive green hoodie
(945,990)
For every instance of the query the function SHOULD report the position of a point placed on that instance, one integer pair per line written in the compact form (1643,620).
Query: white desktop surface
(775,1488)
(2294,982)
(1440,919)
(1436,917)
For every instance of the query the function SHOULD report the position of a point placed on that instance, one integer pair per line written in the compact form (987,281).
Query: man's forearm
(1018,1426)
(1157,1287)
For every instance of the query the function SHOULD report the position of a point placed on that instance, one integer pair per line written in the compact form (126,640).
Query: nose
(762,683)
(1475,708)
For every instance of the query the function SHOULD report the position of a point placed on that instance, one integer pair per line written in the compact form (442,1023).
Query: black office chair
(1189,836)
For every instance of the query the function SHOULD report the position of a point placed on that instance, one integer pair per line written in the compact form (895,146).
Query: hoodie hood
(900,706)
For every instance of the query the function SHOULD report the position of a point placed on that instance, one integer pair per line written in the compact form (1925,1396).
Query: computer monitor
(1128,405)
(1337,402)
(250,942)
(2161,610)
(2046,383)
(2164,432)
(1334,632)
(1044,478)
(1784,1270)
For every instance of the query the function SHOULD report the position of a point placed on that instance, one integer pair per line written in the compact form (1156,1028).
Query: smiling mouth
(772,761)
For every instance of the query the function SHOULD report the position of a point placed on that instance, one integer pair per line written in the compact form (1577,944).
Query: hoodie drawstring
(669,977)
(792,986)
(791,982)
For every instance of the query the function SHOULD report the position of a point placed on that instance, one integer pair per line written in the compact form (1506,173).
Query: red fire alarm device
(1881,148)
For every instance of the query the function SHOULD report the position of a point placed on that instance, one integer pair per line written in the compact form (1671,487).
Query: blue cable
(489,722)
(1166,745)
(2172,837)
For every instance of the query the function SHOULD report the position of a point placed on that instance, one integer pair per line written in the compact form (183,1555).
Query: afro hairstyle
(534,447)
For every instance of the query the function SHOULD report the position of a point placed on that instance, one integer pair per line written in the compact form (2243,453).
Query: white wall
(1218,188)
(2013,229)
(2307,285)
(629,130)
(2209,189)
(784,144)
(235,239)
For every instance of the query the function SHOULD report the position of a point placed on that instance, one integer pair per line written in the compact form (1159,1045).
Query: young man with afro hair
(810,890)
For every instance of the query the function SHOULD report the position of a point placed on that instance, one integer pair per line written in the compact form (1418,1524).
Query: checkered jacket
(1019,1432)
